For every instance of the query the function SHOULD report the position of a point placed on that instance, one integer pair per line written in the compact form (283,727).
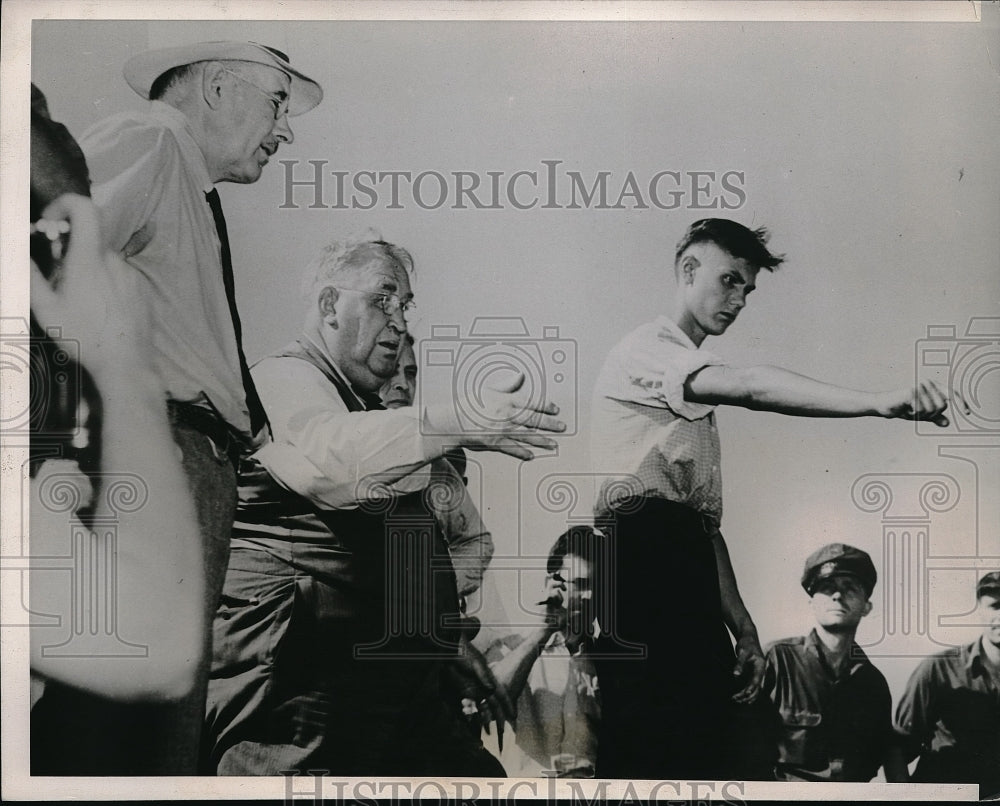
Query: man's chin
(249,175)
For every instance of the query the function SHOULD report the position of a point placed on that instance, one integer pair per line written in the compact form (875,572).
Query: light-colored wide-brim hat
(144,68)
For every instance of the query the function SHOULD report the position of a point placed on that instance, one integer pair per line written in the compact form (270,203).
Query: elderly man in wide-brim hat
(219,111)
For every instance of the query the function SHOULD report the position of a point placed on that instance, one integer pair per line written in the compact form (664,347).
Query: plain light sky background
(871,151)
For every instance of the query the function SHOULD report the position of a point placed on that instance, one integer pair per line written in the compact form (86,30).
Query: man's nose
(283,130)
(398,321)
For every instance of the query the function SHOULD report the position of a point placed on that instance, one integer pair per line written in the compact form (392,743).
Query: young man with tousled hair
(655,447)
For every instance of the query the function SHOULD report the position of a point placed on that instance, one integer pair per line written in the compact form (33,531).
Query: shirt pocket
(802,738)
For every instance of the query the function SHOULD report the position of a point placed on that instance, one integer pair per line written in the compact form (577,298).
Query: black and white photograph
(582,401)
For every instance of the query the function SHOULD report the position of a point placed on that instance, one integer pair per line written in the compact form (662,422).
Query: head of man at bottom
(988,608)
(358,297)
(839,580)
(399,391)
(571,584)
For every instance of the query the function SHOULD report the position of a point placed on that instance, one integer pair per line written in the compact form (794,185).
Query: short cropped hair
(173,77)
(739,241)
(579,541)
(340,257)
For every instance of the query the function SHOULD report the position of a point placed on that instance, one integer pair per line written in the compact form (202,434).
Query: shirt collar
(974,659)
(664,322)
(856,656)
(177,122)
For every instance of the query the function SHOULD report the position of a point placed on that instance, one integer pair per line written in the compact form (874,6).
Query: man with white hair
(337,642)
(218,113)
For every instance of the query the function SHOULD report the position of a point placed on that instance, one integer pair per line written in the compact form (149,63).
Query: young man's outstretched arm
(766,388)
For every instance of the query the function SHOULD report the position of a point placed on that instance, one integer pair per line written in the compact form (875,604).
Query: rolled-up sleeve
(335,457)
(651,366)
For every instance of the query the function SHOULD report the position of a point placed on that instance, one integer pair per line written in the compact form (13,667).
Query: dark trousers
(76,733)
(667,713)
(308,675)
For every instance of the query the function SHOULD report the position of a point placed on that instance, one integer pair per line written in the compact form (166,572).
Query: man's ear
(327,305)
(868,608)
(689,264)
(212,79)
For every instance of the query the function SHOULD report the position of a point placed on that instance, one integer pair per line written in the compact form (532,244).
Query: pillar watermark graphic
(906,503)
(965,361)
(567,500)
(416,576)
(86,624)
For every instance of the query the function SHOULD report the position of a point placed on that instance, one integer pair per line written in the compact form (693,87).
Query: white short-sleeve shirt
(646,439)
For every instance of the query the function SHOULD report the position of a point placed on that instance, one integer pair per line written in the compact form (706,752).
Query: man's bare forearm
(734,612)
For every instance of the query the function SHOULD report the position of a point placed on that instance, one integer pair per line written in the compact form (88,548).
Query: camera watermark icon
(82,616)
(969,365)
(493,352)
(45,406)
(907,503)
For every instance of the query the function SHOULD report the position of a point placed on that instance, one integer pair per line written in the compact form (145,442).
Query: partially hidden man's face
(716,286)
(398,391)
(839,603)
(364,341)
(988,610)
(254,121)
(575,579)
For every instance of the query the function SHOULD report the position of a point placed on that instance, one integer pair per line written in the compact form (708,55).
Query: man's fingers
(509,447)
(84,239)
(539,421)
(934,400)
(535,440)
(747,694)
(504,705)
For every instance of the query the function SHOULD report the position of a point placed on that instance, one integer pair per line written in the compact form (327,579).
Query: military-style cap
(839,559)
(144,68)
(989,585)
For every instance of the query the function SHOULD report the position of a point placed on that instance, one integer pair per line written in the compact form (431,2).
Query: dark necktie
(257,416)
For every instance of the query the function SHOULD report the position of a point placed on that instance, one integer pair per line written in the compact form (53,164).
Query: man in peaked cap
(949,714)
(218,113)
(832,707)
